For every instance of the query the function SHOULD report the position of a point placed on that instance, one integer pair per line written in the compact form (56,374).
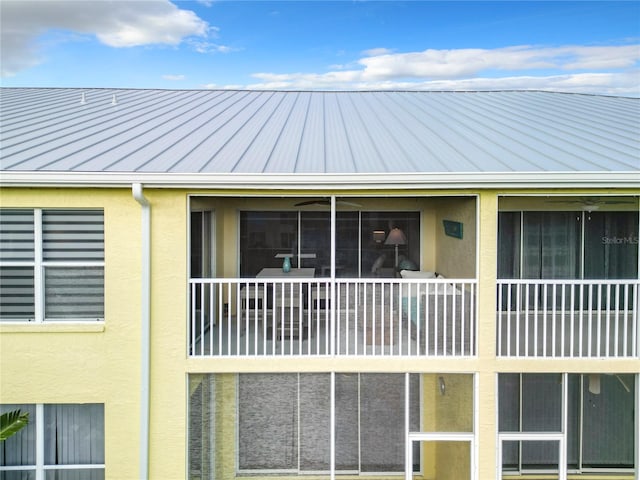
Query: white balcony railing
(374,317)
(568,318)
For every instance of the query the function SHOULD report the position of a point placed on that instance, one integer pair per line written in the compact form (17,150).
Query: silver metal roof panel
(300,133)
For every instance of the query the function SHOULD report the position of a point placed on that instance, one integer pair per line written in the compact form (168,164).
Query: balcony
(568,318)
(320,317)
(410,318)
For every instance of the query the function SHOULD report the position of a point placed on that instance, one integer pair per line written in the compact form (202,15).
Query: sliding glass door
(568,245)
(266,237)
(601,411)
(611,245)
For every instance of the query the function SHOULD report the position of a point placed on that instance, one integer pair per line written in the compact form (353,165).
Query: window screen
(315,424)
(284,422)
(601,416)
(381,411)
(268,421)
(608,420)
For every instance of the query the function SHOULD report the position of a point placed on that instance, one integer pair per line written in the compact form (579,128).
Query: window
(600,421)
(359,253)
(61,442)
(51,265)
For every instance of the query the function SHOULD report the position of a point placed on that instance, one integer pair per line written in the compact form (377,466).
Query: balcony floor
(353,338)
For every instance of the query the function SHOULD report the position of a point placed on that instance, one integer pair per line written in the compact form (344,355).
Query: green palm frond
(12,422)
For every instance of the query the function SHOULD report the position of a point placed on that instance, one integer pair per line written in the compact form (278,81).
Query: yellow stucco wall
(86,363)
(101,362)
(168,334)
(448,412)
(456,257)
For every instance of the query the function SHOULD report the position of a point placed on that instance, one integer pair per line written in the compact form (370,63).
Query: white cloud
(116,24)
(467,62)
(605,70)
(203,46)
(377,51)
(214,86)
(173,78)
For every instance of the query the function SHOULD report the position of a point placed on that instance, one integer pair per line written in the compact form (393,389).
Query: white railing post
(635,318)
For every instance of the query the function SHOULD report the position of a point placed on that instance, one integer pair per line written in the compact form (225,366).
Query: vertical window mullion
(583,219)
(521,246)
(40,442)
(359,427)
(564,457)
(359,243)
(520,423)
(580,421)
(38,273)
(298,434)
(299,239)
(332,427)
(408,444)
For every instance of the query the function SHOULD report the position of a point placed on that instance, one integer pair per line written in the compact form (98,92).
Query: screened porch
(330,276)
(291,276)
(568,279)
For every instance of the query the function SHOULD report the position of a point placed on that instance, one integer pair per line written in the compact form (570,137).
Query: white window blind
(51,265)
(17,260)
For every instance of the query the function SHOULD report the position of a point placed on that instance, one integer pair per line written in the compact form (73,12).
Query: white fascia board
(346,181)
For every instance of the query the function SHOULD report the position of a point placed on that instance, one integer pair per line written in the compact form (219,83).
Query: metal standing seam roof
(124,131)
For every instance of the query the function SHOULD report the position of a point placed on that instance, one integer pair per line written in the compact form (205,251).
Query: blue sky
(590,47)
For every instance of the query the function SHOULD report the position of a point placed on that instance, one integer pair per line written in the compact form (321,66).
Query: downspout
(145,323)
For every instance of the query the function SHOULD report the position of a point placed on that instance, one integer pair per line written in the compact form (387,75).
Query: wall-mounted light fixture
(442,386)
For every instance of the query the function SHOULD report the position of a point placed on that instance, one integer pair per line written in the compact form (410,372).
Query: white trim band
(340,181)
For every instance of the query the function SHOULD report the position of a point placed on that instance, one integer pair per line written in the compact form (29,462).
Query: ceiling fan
(326,202)
(590,204)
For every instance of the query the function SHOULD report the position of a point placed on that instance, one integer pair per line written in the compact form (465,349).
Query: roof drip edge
(382,181)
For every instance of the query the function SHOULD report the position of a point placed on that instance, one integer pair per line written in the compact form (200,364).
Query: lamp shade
(396,237)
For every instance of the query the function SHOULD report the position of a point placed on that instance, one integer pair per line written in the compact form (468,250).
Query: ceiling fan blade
(312,202)
(326,202)
(592,201)
(350,204)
